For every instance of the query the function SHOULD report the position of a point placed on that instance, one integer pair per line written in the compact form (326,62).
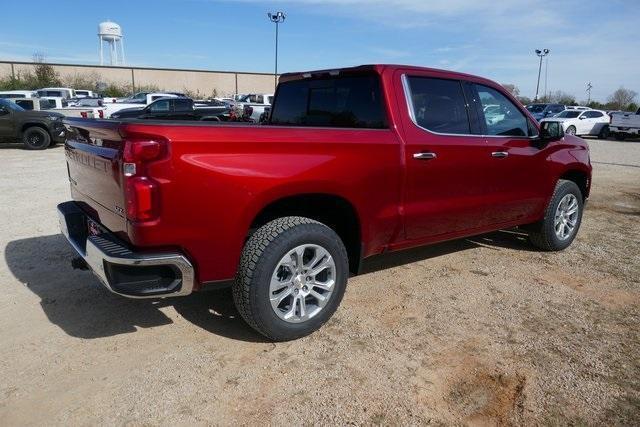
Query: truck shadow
(77,302)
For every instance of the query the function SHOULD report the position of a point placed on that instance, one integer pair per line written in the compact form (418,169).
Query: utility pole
(277,18)
(541,54)
(589,87)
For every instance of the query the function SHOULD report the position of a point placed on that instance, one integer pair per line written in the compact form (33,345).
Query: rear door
(450,174)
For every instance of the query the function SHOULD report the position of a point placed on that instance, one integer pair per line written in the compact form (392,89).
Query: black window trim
(464,83)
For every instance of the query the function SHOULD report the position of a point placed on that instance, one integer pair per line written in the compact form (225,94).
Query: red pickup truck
(351,163)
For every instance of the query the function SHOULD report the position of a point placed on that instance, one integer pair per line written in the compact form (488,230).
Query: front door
(7,128)
(517,162)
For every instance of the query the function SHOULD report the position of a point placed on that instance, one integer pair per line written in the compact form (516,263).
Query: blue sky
(593,41)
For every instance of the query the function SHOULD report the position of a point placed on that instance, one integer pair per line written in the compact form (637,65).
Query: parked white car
(582,122)
(61,92)
(625,125)
(11,94)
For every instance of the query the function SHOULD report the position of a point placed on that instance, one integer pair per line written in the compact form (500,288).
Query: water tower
(111,33)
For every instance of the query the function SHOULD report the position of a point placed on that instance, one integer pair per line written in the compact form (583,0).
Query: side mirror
(4,111)
(551,131)
(582,117)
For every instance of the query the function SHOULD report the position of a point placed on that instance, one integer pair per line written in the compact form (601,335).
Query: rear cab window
(349,101)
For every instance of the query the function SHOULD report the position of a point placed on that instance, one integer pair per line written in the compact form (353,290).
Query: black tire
(571,130)
(620,136)
(604,132)
(260,257)
(543,234)
(36,138)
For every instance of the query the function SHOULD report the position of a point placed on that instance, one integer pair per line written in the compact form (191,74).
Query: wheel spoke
(319,254)
(321,299)
(325,263)
(325,286)
(277,299)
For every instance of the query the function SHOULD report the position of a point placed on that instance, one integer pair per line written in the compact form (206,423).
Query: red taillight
(83,114)
(142,199)
(101,114)
(142,193)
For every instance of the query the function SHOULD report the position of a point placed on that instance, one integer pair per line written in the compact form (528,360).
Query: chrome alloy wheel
(302,283)
(566,217)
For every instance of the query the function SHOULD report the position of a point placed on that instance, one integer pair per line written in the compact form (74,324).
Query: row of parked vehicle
(35,117)
(579,120)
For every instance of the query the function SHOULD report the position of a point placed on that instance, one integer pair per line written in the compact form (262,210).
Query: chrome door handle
(499,154)
(424,155)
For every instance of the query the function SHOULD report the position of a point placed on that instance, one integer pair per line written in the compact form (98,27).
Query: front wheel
(36,138)
(571,130)
(291,279)
(562,218)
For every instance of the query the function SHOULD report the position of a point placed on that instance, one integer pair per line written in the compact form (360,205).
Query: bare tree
(45,74)
(513,89)
(621,98)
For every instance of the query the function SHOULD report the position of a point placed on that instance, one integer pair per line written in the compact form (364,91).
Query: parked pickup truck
(624,125)
(139,100)
(254,104)
(176,109)
(35,129)
(351,163)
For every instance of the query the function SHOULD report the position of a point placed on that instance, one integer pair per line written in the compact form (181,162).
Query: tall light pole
(277,18)
(589,87)
(541,54)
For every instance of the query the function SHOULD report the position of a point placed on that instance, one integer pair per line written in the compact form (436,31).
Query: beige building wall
(202,81)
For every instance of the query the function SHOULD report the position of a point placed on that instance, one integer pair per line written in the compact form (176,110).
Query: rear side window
(439,105)
(344,101)
(501,116)
(182,105)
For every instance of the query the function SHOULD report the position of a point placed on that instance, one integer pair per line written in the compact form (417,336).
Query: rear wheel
(604,132)
(291,279)
(571,130)
(562,219)
(36,138)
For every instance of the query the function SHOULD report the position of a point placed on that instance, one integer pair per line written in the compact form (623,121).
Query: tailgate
(94,161)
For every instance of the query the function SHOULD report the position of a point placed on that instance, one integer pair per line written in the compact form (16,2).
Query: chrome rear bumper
(122,271)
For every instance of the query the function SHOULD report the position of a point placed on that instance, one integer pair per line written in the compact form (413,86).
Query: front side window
(568,114)
(343,101)
(439,105)
(505,119)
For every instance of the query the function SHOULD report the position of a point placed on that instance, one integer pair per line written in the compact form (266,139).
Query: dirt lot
(477,331)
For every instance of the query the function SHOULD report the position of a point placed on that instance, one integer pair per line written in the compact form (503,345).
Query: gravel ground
(477,331)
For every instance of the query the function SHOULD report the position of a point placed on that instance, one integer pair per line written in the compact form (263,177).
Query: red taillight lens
(142,193)
(142,199)
(83,114)
(101,114)
(142,151)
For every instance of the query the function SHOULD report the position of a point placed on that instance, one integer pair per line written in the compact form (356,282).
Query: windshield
(536,108)
(140,96)
(244,98)
(567,114)
(10,105)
